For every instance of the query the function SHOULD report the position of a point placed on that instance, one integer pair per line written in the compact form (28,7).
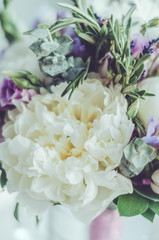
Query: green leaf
(115,36)
(40,33)
(65,45)
(6,3)
(132,205)
(147,192)
(37,220)
(140,125)
(139,72)
(149,214)
(128,15)
(10,29)
(24,83)
(78,80)
(133,109)
(85,37)
(81,4)
(138,154)
(16,212)
(3,176)
(153,22)
(140,62)
(43,48)
(54,65)
(23,74)
(81,14)
(64,22)
(154,206)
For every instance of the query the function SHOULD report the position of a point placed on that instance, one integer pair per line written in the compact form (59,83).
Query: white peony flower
(149,107)
(66,151)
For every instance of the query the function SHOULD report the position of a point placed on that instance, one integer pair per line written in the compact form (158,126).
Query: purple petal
(10,91)
(152,127)
(152,141)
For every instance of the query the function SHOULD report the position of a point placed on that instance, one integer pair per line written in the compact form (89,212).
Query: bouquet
(84,131)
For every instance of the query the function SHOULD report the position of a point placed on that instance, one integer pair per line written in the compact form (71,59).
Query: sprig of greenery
(81,14)
(78,80)
(150,24)
(81,4)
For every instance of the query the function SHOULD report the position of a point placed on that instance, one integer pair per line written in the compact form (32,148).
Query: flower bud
(154,22)
(23,83)
(23,74)
(133,109)
(155,182)
(129,89)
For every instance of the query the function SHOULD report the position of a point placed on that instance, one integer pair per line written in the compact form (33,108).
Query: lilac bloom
(10,91)
(78,49)
(152,136)
(139,42)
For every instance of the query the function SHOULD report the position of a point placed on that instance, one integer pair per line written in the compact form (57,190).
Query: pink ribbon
(108,226)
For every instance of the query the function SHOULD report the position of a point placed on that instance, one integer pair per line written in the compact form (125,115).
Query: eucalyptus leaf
(138,154)
(54,67)
(132,205)
(72,73)
(65,45)
(78,80)
(43,48)
(40,33)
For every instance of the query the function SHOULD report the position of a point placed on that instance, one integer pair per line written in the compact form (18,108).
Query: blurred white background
(26,13)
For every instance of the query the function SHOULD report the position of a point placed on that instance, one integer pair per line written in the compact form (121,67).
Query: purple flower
(78,49)
(152,136)
(139,42)
(105,64)
(10,91)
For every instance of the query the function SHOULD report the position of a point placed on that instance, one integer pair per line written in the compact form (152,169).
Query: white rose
(60,150)
(18,56)
(149,107)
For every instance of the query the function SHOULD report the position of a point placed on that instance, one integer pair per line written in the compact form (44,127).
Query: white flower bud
(149,107)
(155,182)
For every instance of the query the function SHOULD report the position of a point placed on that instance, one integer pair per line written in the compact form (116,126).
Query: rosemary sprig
(78,80)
